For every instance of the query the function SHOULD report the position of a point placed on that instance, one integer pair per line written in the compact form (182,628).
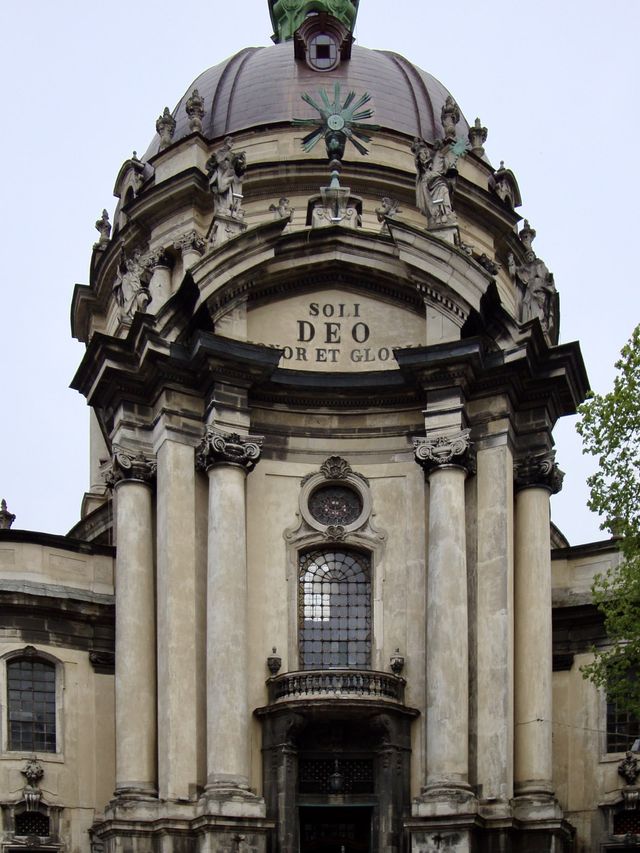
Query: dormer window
(323,42)
(323,52)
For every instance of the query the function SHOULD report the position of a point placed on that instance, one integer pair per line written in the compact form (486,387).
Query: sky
(81,85)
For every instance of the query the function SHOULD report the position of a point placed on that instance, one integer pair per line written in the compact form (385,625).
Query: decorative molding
(539,470)
(335,468)
(103,662)
(220,448)
(127,465)
(33,773)
(445,449)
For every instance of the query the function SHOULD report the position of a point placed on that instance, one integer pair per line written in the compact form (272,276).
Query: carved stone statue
(538,294)
(226,169)
(282,209)
(166,127)
(389,209)
(450,116)
(131,288)
(433,191)
(195,111)
(103,227)
(6,518)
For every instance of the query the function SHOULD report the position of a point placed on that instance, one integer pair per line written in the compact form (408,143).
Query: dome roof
(263,86)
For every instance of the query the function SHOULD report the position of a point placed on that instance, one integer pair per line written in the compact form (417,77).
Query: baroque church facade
(315,601)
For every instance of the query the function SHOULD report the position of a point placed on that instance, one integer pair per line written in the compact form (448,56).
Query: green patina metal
(288,15)
(338,124)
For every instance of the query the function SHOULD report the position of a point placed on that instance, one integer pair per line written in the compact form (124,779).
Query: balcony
(336,684)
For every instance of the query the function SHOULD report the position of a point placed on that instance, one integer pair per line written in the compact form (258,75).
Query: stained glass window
(31,689)
(335,610)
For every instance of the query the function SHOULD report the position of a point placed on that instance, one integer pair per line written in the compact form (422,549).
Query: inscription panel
(334,330)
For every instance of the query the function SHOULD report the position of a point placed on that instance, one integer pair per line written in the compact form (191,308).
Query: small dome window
(323,52)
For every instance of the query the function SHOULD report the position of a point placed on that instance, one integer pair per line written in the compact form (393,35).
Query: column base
(136,791)
(535,807)
(445,799)
(231,798)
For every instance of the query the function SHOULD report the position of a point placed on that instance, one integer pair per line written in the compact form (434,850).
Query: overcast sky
(555,81)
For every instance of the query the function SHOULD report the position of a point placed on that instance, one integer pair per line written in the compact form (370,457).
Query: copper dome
(262,86)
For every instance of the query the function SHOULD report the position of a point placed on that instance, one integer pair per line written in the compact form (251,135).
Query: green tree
(610,430)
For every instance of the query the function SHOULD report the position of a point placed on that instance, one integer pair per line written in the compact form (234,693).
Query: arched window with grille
(334,609)
(31,704)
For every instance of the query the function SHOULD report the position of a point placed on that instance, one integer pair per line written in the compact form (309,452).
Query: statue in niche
(226,169)
(433,189)
(538,294)
(131,288)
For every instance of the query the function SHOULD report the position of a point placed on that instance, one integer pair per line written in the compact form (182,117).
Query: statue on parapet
(538,293)
(433,184)
(131,288)
(226,169)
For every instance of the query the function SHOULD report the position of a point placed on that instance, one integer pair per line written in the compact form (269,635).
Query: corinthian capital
(445,449)
(221,448)
(539,469)
(127,465)
(190,241)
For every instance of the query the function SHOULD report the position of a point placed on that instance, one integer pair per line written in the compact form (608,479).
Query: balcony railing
(336,684)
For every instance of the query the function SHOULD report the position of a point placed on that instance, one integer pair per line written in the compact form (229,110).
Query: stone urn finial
(274,662)
(396,662)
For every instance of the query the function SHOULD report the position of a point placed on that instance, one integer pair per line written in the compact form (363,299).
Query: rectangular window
(623,728)
(31,703)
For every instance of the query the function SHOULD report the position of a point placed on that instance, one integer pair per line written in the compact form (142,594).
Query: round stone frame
(351,481)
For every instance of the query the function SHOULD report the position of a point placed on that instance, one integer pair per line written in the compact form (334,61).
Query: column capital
(444,449)
(222,448)
(130,466)
(539,470)
(190,241)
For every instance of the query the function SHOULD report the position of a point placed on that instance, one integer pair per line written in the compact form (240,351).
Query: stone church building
(314,601)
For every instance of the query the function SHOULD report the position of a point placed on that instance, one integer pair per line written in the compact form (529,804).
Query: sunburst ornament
(339,122)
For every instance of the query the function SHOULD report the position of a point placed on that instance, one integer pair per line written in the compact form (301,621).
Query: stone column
(494,619)
(177,620)
(536,479)
(227,458)
(136,773)
(446,459)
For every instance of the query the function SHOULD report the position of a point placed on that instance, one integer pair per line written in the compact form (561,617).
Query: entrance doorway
(335,829)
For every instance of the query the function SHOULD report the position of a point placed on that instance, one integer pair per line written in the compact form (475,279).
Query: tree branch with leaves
(610,430)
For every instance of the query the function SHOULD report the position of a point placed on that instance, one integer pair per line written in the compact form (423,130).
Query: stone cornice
(532,372)
(221,448)
(539,470)
(446,449)
(137,368)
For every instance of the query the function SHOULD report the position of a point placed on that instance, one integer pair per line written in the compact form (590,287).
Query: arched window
(334,607)
(31,705)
